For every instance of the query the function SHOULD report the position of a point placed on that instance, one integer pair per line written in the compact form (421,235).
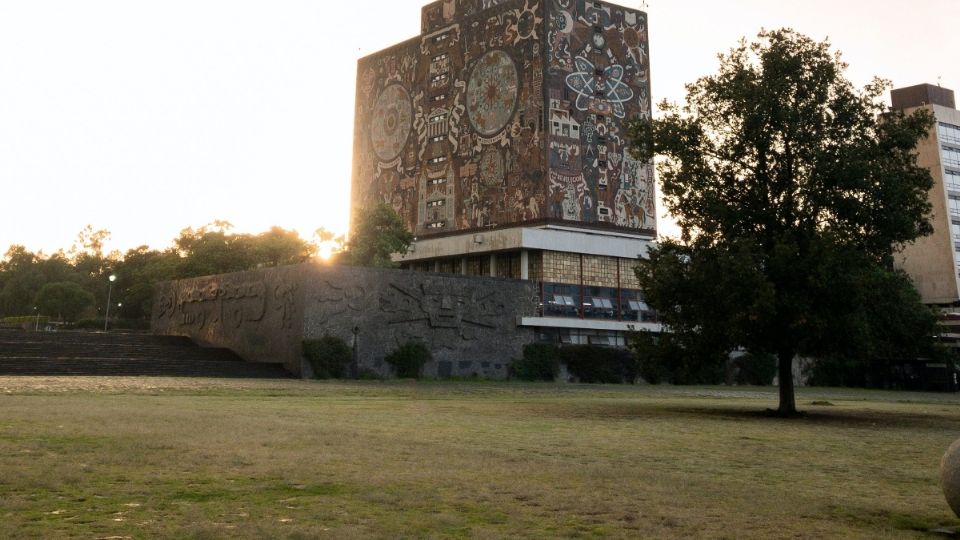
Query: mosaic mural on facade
(598,77)
(506,111)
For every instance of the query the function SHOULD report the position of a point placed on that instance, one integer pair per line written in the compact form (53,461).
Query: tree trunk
(788,401)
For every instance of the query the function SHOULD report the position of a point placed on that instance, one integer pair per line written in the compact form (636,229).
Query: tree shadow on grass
(810,415)
(819,415)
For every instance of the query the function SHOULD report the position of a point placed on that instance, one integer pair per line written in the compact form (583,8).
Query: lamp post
(36,325)
(106,316)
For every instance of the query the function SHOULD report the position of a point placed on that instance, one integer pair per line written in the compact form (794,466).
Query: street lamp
(106,316)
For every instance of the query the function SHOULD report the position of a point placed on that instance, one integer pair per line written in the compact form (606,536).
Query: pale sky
(145,117)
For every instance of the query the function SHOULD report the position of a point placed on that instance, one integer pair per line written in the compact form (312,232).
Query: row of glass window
(951,180)
(949,133)
(576,336)
(561,300)
(951,156)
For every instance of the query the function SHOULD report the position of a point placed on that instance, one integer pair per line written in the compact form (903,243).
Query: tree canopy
(211,249)
(65,300)
(792,190)
(378,233)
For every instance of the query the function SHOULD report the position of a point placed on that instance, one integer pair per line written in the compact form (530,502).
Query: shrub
(408,359)
(593,364)
(329,356)
(540,362)
(756,369)
(661,358)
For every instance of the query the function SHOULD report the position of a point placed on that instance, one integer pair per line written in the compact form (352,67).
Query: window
(951,157)
(436,181)
(439,97)
(438,118)
(949,133)
(437,138)
(441,38)
(435,204)
(436,225)
(954,204)
(439,57)
(438,159)
(600,303)
(561,300)
(951,180)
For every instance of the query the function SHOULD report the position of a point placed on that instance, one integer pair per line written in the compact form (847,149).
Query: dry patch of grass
(198,458)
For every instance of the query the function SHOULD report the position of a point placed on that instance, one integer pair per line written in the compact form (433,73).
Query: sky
(145,117)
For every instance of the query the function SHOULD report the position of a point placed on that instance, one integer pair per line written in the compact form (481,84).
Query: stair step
(96,353)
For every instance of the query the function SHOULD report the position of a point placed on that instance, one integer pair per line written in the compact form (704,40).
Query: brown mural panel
(505,112)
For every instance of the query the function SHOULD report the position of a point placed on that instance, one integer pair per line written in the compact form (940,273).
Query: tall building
(498,135)
(933,262)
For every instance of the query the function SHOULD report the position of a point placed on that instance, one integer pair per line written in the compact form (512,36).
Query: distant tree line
(68,284)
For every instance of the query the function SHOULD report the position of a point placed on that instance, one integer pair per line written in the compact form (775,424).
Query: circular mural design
(391,121)
(492,93)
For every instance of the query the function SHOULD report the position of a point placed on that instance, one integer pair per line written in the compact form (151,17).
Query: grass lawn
(205,458)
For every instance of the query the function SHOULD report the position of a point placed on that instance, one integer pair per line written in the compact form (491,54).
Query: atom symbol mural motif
(492,93)
(391,121)
(608,89)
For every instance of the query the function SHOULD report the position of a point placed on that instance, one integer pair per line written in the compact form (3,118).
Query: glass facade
(576,336)
(954,205)
(951,156)
(598,303)
(951,181)
(949,133)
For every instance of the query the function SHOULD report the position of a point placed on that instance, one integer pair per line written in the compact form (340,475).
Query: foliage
(604,365)
(28,322)
(211,249)
(377,233)
(676,358)
(329,356)
(408,359)
(780,172)
(756,369)
(540,362)
(65,299)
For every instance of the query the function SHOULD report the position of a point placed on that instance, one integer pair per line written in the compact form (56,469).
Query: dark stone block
(264,315)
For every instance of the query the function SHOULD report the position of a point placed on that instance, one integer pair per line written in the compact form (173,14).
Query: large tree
(64,300)
(783,176)
(378,233)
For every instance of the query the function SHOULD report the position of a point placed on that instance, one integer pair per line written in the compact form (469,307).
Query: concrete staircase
(91,353)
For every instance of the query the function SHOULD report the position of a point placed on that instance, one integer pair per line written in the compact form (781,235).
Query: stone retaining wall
(470,324)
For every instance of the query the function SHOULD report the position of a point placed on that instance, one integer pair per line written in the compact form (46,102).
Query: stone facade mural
(254,313)
(507,111)
(598,77)
(469,324)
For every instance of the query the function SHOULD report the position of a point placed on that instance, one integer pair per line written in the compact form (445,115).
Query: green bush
(661,358)
(408,359)
(593,364)
(17,321)
(756,369)
(540,362)
(329,356)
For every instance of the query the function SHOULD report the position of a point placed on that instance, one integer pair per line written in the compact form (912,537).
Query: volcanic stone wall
(469,324)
